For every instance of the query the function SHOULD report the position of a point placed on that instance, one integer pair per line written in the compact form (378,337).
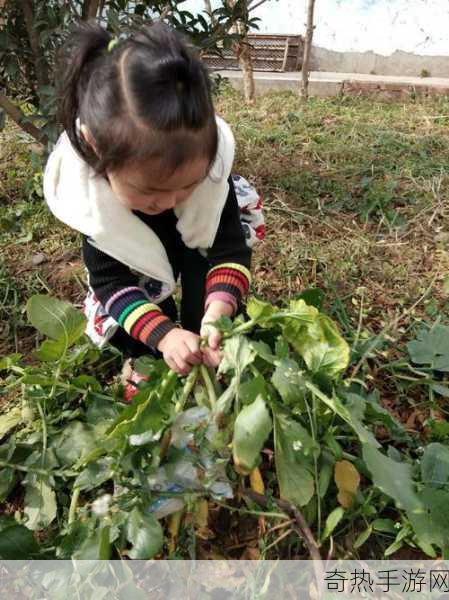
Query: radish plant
(97,478)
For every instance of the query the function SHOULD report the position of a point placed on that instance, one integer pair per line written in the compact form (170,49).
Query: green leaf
(293,455)
(224,324)
(442,390)
(332,521)
(100,411)
(8,479)
(56,319)
(96,547)
(319,343)
(326,470)
(95,474)
(302,312)
(282,348)
(384,526)
(9,420)
(144,414)
(40,502)
(263,350)
(431,348)
(439,429)
(35,379)
(87,382)
(348,415)
(252,388)
(251,429)
(432,524)
(312,297)
(392,478)
(16,541)
(51,350)
(363,537)
(394,547)
(74,443)
(237,355)
(435,465)
(224,402)
(376,413)
(289,381)
(72,541)
(258,310)
(144,533)
(10,361)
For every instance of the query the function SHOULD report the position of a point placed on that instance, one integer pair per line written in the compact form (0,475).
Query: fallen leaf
(347,479)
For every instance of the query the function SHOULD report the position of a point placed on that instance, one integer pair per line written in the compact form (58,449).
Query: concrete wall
(397,63)
(386,37)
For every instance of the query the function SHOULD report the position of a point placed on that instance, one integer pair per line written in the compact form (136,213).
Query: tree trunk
(90,9)
(243,50)
(39,61)
(304,90)
(2,6)
(246,64)
(17,115)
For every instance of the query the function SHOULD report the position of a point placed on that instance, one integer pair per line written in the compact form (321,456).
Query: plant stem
(256,513)
(209,386)
(187,389)
(302,528)
(67,386)
(7,465)
(73,504)
(56,379)
(313,430)
(359,325)
(243,328)
(44,434)
(166,381)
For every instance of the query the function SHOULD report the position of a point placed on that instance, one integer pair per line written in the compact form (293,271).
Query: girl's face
(143,189)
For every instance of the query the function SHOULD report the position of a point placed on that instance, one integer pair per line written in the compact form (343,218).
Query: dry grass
(356,203)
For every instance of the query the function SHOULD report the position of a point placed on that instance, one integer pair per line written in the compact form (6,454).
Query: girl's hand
(181,350)
(211,353)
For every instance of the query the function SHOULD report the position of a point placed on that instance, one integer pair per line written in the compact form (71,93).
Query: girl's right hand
(181,350)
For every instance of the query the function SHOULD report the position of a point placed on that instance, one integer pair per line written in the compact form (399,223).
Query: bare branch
(307,50)
(252,7)
(293,512)
(18,116)
(302,529)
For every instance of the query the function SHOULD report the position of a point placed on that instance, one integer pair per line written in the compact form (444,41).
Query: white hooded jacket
(86,202)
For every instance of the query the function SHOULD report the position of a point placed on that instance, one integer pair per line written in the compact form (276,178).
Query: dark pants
(185,262)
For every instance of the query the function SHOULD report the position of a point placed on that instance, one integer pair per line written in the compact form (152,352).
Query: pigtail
(147,98)
(174,71)
(84,46)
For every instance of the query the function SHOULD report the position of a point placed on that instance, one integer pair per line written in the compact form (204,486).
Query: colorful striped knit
(228,282)
(141,319)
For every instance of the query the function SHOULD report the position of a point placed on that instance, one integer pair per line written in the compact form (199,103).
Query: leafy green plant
(98,476)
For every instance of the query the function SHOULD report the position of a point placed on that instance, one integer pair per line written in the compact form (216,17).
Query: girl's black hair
(149,97)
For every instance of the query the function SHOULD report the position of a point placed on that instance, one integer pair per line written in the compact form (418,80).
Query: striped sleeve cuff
(228,282)
(141,319)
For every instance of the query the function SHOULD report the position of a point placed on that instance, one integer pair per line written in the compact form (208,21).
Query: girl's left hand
(211,353)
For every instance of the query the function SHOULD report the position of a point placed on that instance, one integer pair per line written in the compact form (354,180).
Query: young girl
(143,171)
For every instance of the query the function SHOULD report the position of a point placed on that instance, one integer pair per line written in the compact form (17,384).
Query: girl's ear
(88,137)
